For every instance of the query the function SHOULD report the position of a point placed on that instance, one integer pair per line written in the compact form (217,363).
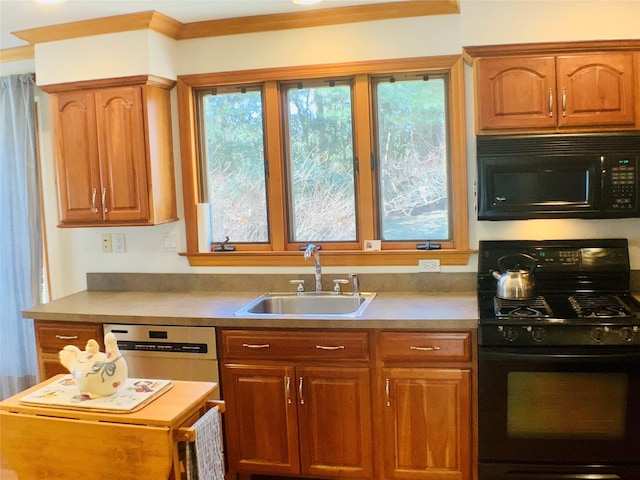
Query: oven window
(566,405)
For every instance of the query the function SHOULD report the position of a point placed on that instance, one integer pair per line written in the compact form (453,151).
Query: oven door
(559,406)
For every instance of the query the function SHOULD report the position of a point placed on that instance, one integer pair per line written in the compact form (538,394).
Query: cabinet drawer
(286,345)
(54,336)
(426,346)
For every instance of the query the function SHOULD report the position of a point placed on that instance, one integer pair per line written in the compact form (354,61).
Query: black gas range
(559,370)
(581,294)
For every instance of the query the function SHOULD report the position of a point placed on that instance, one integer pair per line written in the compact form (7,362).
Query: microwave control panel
(623,181)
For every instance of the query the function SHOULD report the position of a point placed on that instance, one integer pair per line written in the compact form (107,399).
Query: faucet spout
(356,284)
(313,250)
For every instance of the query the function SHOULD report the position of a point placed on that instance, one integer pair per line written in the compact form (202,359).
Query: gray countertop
(389,310)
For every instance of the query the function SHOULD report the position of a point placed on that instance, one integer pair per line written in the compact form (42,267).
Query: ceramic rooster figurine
(96,374)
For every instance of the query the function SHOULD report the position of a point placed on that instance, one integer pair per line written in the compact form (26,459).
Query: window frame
(281,253)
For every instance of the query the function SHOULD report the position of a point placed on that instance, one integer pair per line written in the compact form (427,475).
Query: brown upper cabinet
(547,92)
(113,148)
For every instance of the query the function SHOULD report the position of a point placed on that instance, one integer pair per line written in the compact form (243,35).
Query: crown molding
(171,28)
(319,18)
(17,53)
(150,20)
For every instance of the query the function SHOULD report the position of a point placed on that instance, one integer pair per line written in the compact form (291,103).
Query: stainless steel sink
(311,304)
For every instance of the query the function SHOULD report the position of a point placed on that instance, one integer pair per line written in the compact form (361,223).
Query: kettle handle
(531,261)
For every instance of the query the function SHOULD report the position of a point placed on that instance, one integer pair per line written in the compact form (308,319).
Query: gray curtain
(20,233)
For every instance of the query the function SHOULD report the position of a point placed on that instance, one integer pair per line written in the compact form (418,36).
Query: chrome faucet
(312,249)
(356,284)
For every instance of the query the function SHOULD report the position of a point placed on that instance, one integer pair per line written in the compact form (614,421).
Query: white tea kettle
(515,283)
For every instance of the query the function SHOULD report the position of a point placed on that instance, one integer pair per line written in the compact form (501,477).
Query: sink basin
(307,304)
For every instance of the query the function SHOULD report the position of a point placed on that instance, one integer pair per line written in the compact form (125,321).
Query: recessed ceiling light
(306,2)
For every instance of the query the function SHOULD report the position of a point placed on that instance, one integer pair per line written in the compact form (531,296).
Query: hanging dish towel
(204,460)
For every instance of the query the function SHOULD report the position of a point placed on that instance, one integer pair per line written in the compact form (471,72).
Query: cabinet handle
(287,387)
(330,347)
(387,391)
(93,200)
(67,337)
(564,102)
(253,345)
(104,200)
(300,391)
(550,103)
(425,349)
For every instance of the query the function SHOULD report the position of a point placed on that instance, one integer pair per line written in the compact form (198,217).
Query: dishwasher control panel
(160,339)
(200,348)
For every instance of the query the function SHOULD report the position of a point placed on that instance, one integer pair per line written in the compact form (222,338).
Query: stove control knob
(597,334)
(538,334)
(509,333)
(627,333)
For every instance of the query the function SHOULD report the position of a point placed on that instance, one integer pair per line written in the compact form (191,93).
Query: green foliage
(234,148)
(412,153)
(321,163)
(411,145)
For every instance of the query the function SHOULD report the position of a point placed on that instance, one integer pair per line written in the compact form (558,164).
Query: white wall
(74,252)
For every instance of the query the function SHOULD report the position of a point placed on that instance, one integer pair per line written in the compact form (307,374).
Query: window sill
(329,258)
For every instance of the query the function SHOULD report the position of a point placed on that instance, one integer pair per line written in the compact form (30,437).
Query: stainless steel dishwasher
(168,352)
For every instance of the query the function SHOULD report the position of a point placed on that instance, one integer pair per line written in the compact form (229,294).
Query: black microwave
(558,176)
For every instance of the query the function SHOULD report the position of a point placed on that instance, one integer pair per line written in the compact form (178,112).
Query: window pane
(413,159)
(233,150)
(322,203)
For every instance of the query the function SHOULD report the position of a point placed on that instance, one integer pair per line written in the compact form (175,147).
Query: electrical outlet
(107,247)
(118,243)
(429,265)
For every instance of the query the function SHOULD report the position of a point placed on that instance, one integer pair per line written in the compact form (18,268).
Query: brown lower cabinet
(298,403)
(343,404)
(51,337)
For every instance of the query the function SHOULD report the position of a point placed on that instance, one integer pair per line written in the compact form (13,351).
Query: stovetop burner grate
(531,308)
(599,306)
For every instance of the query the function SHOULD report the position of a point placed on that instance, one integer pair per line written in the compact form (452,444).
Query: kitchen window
(330,154)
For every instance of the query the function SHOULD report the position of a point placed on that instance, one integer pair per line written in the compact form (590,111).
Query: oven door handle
(529,355)
(563,476)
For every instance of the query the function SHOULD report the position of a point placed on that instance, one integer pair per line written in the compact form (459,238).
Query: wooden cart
(59,444)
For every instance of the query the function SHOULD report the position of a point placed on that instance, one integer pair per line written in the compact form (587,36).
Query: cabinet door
(596,89)
(515,92)
(122,153)
(427,423)
(77,167)
(334,411)
(261,421)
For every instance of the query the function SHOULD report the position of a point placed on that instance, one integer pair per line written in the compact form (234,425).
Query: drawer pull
(254,345)
(330,347)
(67,337)
(425,349)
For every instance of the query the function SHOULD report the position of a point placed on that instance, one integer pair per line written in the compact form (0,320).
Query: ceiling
(16,15)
